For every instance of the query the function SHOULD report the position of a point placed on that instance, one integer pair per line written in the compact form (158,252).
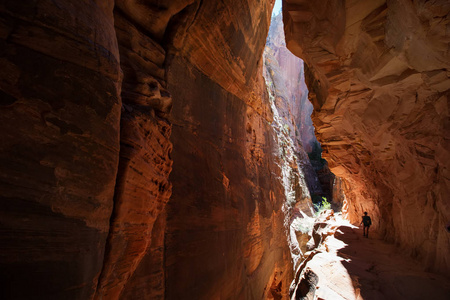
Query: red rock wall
(86,214)
(232,244)
(83,212)
(225,237)
(291,86)
(142,187)
(378,78)
(71,228)
(59,114)
(78,216)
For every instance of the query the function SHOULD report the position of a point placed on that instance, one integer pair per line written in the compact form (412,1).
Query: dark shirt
(366,221)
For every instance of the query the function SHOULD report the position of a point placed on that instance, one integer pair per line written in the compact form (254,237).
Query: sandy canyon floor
(350,266)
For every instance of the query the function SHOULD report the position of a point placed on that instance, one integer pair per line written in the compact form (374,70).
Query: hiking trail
(351,267)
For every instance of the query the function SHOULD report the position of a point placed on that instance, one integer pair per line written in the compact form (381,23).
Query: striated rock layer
(86,205)
(78,205)
(142,186)
(87,211)
(284,77)
(224,237)
(378,75)
(60,111)
(288,71)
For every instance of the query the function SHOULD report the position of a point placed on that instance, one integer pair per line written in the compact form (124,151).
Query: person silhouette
(367,222)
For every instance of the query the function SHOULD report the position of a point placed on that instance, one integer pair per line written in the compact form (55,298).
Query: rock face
(225,236)
(284,73)
(78,216)
(87,211)
(287,71)
(60,111)
(142,186)
(378,75)
(284,77)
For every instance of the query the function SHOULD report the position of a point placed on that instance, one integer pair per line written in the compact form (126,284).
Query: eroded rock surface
(60,112)
(90,220)
(86,94)
(378,75)
(348,266)
(287,72)
(142,185)
(225,237)
(284,77)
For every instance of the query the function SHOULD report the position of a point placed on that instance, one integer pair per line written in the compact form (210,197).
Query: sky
(277,7)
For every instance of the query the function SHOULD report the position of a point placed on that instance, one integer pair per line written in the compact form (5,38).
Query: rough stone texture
(142,187)
(378,75)
(287,71)
(283,73)
(71,228)
(225,237)
(340,202)
(349,266)
(306,289)
(59,110)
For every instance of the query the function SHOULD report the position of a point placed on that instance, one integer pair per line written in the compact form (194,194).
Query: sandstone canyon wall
(87,210)
(291,84)
(142,186)
(284,77)
(225,236)
(285,73)
(378,75)
(297,175)
(60,111)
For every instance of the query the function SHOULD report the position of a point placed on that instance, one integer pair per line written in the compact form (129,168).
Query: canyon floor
(350,266)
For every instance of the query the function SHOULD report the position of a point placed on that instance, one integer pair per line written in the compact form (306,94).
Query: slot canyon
(192,149)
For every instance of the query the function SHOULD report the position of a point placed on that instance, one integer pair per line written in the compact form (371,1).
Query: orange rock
(377,71)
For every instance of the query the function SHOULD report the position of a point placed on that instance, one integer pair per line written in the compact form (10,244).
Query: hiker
(367,222)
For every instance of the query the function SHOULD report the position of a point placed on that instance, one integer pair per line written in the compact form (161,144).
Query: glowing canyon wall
(139,156)
(224,236)
(378,76)
(89,138)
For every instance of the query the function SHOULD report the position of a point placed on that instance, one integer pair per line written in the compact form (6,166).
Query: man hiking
(367,222)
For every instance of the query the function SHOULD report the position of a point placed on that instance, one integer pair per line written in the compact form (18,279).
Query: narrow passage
(350,266)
